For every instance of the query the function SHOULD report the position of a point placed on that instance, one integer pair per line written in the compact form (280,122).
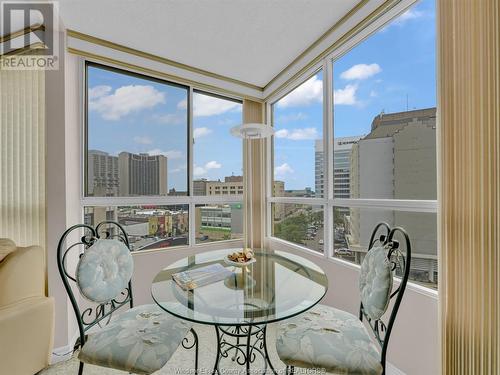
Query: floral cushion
(104,270)
(375,282)
(140,340)
(330,339)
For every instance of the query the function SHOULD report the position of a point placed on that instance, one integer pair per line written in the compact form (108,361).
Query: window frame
(328,202)
(191,200)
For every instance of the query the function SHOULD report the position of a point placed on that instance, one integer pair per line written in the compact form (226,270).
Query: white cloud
(145,140)
(170,119)
(98,91)
(201,132)
(373,94)
(199,171)
(206,105)
(213,165)
(126,99)
(361,71)
(179,169)
(311,91)
(410,14)
(299,116)
(297,134)
(283,170)
(345,96)
(170,154)
(182,104)
(202,170)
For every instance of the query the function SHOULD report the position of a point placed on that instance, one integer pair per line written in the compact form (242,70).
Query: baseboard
(63,353)
(390,369)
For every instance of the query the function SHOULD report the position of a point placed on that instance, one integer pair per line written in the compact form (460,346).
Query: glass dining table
(277,286)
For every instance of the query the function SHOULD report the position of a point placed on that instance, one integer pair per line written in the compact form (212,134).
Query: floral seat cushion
(327,338)
(140,340)
(375,282)
(104,270)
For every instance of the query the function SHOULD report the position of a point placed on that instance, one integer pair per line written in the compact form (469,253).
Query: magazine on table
(197,277)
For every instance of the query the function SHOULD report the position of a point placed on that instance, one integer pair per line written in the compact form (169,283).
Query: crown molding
(159,74)
(149,56)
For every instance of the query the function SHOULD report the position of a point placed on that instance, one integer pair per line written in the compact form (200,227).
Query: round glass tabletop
(277,286)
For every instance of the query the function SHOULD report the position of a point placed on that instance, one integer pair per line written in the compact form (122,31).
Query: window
(219,222)
(148,227)
(298,140)
(385,112)
(137,135)
(383,132)
(353,227)
(213,169)
(138,150)
(298,164)
(301,224)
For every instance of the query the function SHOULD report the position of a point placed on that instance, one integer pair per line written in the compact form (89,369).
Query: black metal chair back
(400,261)
(93,315)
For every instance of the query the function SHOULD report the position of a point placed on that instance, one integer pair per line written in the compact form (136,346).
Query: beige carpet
(182,362)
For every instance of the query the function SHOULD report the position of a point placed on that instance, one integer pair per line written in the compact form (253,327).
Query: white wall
(414,346)
(63,181)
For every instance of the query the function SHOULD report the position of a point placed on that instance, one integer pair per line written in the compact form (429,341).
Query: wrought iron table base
(250,343)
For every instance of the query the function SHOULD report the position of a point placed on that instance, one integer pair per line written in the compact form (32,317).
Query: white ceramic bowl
(238,264)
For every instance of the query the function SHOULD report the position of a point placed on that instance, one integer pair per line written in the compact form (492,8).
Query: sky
(392,70)
(134,114)
(129,113)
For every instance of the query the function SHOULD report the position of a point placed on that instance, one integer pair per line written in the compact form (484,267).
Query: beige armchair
(26,314)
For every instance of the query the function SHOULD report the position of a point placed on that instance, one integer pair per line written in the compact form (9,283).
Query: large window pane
(298,145)
(218,166)
(148,227)
(385,111)
(218,222)
(136,135)
(299,223)
(353,228)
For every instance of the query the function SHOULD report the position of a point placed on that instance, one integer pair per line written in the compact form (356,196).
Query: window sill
(205,246)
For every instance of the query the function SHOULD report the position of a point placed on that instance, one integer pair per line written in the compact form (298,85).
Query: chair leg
(196,350)
(186,345)
(80,368)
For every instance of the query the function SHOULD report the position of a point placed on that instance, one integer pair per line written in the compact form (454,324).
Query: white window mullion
(327,157)
(270,174)
(192,205)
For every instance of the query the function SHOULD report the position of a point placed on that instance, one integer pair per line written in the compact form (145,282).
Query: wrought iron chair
(332,339)
(139,340)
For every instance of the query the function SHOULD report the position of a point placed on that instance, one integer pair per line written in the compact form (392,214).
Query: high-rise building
(341,166)
(102,174)
(142,174)
(397,160)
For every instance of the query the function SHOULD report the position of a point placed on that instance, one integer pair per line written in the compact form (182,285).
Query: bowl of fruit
(240,258)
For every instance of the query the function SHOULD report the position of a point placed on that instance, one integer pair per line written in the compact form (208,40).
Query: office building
(142,174)
(397,160)
(102,177)
(341,166)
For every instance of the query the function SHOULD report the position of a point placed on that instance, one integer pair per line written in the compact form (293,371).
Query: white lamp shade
(252,131)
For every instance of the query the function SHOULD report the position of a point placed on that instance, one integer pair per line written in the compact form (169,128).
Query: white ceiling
(251,41)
